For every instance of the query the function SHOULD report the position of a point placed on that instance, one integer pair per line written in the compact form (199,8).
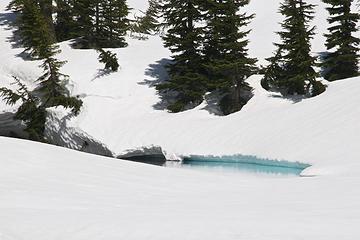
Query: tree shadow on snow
(293,99)
(157,74)
(212,103)
(10,127)
(323,56)
(101,73)
(8,20)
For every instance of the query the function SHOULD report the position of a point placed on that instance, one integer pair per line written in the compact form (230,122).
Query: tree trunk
(46,7)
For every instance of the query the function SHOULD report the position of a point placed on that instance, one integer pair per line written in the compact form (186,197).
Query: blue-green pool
(234,163)
(245,164)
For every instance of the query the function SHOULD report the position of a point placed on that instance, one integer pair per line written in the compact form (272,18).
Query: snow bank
(123,111)
(48,192)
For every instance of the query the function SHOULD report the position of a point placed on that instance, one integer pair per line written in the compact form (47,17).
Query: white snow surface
(119,108)
(47,192)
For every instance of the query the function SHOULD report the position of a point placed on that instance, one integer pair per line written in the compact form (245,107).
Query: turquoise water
(245,164)
(234,163)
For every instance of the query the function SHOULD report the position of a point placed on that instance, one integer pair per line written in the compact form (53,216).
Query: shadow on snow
(8,20)
(156,74)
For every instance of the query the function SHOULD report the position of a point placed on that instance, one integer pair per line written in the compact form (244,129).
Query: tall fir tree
(101,24)
(30,111)
(292,70)
(149,23)
(52,87)
(226,57)
(184,38)
(96,23)
(86,15)
(33,28)
(344,61)
(34,104)
(113,24)
(47,10)
(37,37)
(65,23)
(51,92)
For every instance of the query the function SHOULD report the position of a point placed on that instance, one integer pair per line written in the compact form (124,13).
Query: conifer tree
(36,36)
(65,23)
(113,24)
(184,39)
(52,86)
(47,10)
(293,72)
(225,48)
(86,14)
(50,93)
(30,112)
(33,28)
(149,23)
(274,72)
(101,23)
(109,59)
(343,62)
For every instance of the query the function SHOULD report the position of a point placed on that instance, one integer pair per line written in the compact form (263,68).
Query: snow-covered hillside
(48,192)
(122,110)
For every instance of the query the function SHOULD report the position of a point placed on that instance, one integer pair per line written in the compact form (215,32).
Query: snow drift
(47,192)
(122,113)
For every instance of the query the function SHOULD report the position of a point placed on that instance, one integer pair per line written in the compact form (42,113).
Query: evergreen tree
(343,62)
(225,49)
(30,112)
(96,23)
(47,10)
(52,87)
(33,28)
(109,59)
(292,69)
(86,15)
(114,24)
(101,24)
(149,24)
(50,93)
(36,37)
(274,73)
(65,23)
(184,39)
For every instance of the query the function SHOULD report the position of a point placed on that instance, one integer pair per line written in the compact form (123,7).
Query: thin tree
(226,57)
(87,25)
(47,11)
(33,28)
(344,60)
(149,22)
(184,39)
(65,23)
(295,72)
(30,111)
(52,87)
(51,90)
(113,24)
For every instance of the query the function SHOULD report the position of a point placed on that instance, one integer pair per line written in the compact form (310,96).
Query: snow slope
(48,192)
(121,109)
(318,131)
